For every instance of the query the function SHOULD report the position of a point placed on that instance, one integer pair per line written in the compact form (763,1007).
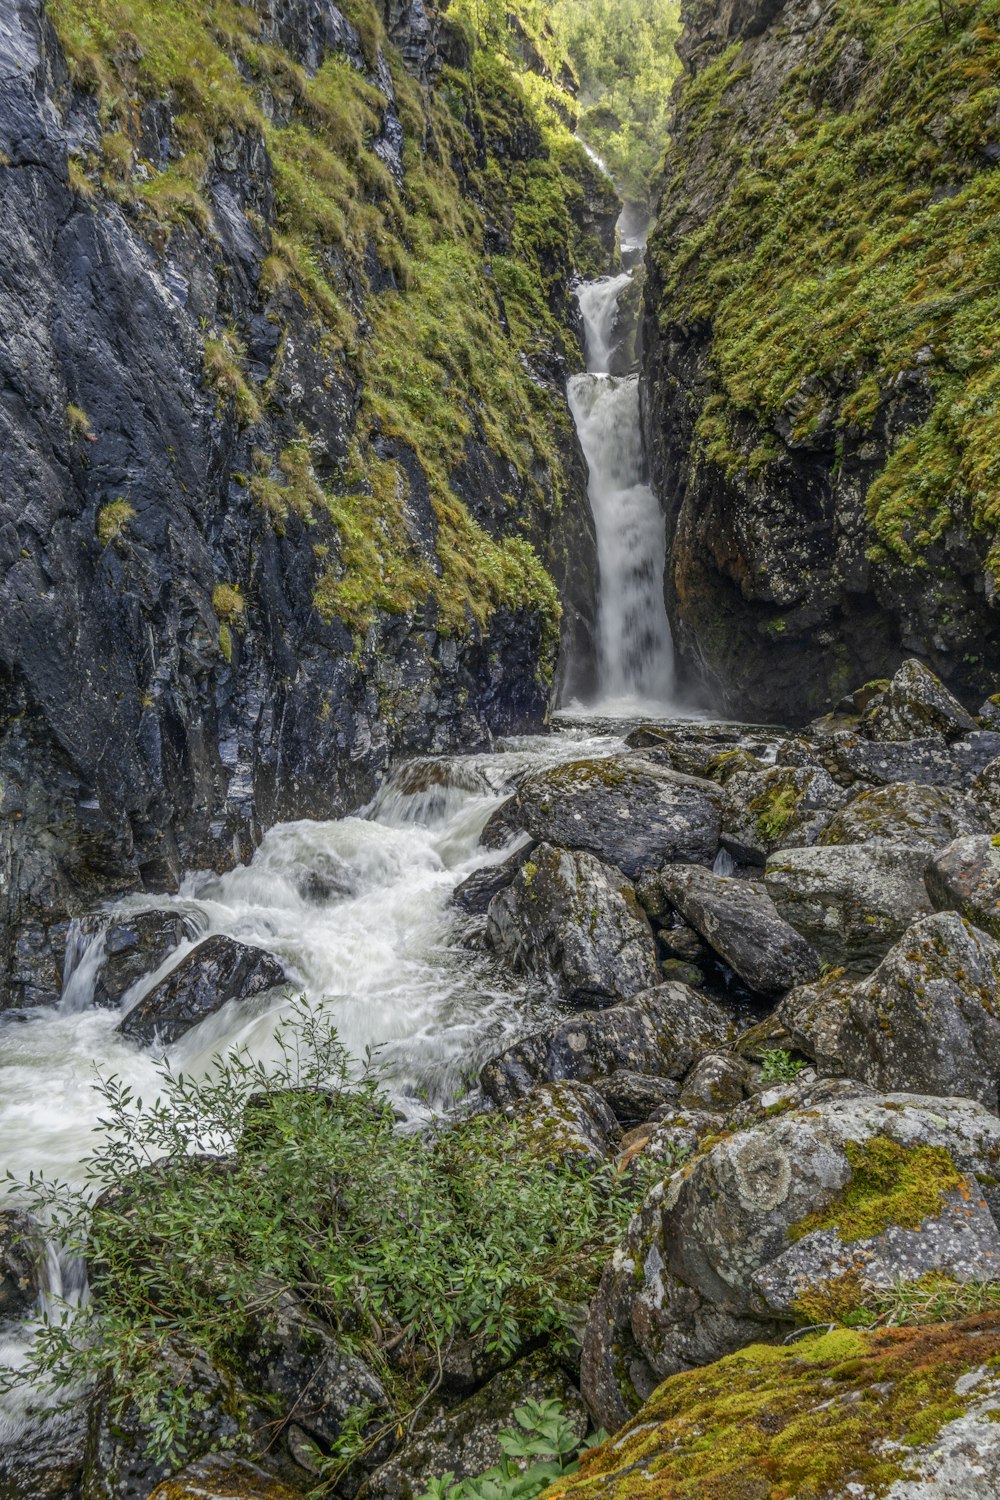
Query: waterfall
(635,669)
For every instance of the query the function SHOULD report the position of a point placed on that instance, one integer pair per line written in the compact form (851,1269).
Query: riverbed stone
(135,944)
(464,1441)
(902,813)
(689,1284)
(625,810)
(22,1259)
(575,921)
(853,901)
(928,1018)
(218,970)
(782,806)
(740,922)
(965,877)
(566,1122)
(477,890)
(658,1033)
(915,703)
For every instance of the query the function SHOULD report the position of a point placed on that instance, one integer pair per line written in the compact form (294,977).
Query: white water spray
(635,652)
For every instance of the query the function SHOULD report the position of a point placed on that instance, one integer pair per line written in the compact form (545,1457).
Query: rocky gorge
(440,1060)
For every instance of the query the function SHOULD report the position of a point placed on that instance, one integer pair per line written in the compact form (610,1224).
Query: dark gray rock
(633,1097)
(712,1262)
(478,889)
(464,1440)
(658,1033)
(928,1018)
(916,703)
(22,1259)
(575,921)
(741,924)
(218,970)
(851,902)
(777,808)
(135,944)
(814,1016)
(965,877)
(45,1462)
(625,810)
(715,1084)
(904,814)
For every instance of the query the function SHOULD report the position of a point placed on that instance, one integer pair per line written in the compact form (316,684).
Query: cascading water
(635,669)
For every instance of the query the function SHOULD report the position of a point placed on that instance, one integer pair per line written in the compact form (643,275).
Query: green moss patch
(890,1185)
(798,1420)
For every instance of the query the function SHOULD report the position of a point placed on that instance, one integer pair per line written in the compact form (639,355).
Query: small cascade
(84,957)
(635,651)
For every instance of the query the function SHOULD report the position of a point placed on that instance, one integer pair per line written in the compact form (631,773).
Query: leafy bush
(204,1207)
(779,1066)
(535,1452)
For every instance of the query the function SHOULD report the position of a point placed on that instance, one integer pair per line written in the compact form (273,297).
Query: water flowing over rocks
(217,971)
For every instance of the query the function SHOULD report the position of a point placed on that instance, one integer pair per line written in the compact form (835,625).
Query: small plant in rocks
(540,1448)
(779,1066)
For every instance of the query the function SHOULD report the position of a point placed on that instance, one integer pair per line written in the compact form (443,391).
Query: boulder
(852,901)
(965,877)
(715,1084)
(22,1261)
(575,921)
(914,704)
(223,1476)
(907,1413)
(801,1215)
(624,810)
(660,1032)
(928,1018)
(464,1441)
(566,1122)
(988,714)
(633,1097)
(851,758)
(740,923)
(694,749)
(44,1460)
(904,814)
(218,970)
(814,1016)
(986,790)
(478,889)
(135,944)
(776,808)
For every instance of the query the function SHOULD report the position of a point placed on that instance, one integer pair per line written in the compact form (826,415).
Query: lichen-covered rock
(696,749)
(566,1121)
(633,1097)
(575,921)
(659,1032)
(780,807)
(44,1461)
(932,761)
(965,877)
(715,1083)
(852,901)
(904,814)
(22,1258)
(814,1015)
(223,1476)
(916,703)
(928,1019)
(904,1413)
(740,923)
(219,969)
(840,1186)
(464,1441)
(625,810)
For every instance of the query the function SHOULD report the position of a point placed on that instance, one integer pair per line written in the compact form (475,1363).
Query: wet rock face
(576,922)
(628,812)
(109,635)
(795,1215)
(217,971)
(21,1262)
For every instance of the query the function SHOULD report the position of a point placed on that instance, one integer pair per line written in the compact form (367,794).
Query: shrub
(779,1066)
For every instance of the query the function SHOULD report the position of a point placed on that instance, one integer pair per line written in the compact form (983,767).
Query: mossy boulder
(851,902)
(931,761)
(783,806)
(902,813)
(565,1121)
(716,1083)
(848,1184)
(698,749)
(909,1412)
(739,922)
(626,810)
(928,1018)
(814,1015)
(965,877)
(574,921)
(915,703)
(658,1033)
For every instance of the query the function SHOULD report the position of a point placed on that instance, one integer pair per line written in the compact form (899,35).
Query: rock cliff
(290,486)
(821,376)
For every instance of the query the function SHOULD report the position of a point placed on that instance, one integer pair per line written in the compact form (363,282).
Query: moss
(77,420)
(112,520)
(224,359)
(773,809)
(890,1185)
(803,1419)
(228,603)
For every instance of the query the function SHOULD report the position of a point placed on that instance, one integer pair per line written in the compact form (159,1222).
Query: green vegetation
(779,1066)
(890,1184)
(623,53)
(112,520)
(77,420)
(802,1419)
(535,1452)
(856,245)
(395,277)
(399,1242)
